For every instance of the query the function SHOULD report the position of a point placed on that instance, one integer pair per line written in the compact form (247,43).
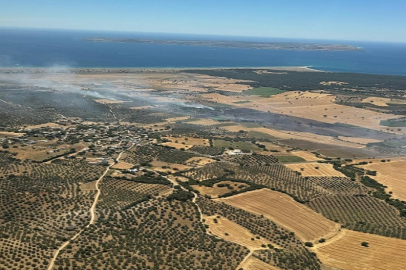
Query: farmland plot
(283,210)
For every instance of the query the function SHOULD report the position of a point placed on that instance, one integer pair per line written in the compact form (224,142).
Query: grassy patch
(260,135)
(225,124)
(251,125)
(241,101)
(284,159)
(264,91)
(188,120)
(401,122)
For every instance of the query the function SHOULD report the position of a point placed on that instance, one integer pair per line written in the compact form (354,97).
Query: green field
(401,122)
(260,135)
(241,101)
(263,91)
(227,124)
(251,124)
(285,159)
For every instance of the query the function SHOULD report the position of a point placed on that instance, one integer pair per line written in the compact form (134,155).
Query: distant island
(236,44)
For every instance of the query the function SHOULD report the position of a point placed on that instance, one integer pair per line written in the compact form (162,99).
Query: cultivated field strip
(346,252)
(232,232)
(290,251)
(282,209)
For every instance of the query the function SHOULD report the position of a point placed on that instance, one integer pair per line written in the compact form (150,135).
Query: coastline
(40,70)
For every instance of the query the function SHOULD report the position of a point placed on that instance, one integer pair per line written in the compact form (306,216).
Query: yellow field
(108,101)
(205,122)
(122,166)
(345,252)
(233,232)
(378,101)
(185,142)
(6,134)
(310,169)
(88,186)
(253,263)
(392,175)
(308,156)
(301,136)
(283,210)
(175,119)
(310,105)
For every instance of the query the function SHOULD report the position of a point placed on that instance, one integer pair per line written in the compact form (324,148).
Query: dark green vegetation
(133,238)
(286,159)
(41,206)
(292,80)
(397,122)
(360,205)
(263,91)
(144,154)
(243,186)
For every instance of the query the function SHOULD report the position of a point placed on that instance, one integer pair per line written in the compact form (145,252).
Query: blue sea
(48,48)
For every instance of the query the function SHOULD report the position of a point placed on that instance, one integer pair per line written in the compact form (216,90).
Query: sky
(363,20)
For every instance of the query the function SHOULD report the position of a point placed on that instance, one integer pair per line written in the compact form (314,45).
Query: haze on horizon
(374,20)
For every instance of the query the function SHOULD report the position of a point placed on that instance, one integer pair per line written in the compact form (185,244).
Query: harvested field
(322,107)
(331,149)
(232,232)
(175,119)
(392,175)
(305,136)
(185,142)
(108,101)
(315,169)
(88,186)
(308,156)
(122,166)
(345,252)
(253,263)
(378,101)
(205,122)
(283,210)
(177,145)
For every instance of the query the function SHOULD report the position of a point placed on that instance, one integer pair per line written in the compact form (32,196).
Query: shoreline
(93,70)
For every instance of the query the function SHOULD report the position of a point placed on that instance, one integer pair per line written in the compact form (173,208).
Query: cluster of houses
(101,140)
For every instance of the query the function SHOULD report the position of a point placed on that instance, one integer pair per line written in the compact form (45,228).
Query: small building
(234,152)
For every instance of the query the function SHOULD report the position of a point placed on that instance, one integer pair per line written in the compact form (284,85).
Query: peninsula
(295,46)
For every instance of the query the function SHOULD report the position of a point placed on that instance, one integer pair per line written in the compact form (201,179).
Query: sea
(68,48)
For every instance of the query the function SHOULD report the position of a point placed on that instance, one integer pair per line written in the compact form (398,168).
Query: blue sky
(369,20)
